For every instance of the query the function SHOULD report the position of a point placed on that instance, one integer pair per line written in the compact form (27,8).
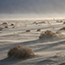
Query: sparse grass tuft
(12,24)
(1,28)
(63,28)
(59,21)
(5,25)
(58,32)
(38,29)
(21,52)
(63,22)
(47,33)
(44,22)
(27,30)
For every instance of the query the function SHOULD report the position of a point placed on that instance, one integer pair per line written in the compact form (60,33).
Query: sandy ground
(49,51)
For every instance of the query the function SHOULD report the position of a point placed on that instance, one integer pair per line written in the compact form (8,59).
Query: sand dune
(49,51)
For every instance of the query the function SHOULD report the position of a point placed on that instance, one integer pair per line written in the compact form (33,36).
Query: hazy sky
(37,8)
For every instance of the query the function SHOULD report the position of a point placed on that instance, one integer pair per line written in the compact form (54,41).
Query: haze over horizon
(32,8)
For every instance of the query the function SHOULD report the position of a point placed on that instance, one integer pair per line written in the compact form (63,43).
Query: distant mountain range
(32,6)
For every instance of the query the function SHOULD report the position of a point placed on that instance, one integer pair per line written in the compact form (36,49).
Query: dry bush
(47,33)
(34,22)
(13,27)
(12,24)
(38,29)
(27,30)
(58,32)
(1,28)
(63,22)
(62,28)
(57,21)
(43,22)
(60,21)
(20,52)
(5,25)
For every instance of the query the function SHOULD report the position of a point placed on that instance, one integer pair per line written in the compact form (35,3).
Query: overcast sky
(32,7)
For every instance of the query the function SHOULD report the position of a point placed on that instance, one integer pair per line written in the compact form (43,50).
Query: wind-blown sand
(49,51)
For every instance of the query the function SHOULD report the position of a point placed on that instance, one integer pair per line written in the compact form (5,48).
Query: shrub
(47,33)
(57,21)
(20,52)
(63,22)
(58,32)
(12,24)
(43,22)
(27,30)
(5,25)
(60,21)
(62,28)
(38,29)
(1,28)
(13,27)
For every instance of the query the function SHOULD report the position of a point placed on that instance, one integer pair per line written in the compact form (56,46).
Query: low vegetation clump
(27,30)
(58,32)
(12,24)
(62,28)
(38,29)
(63,22)
(21,52)
(1,28)
(5,25)
(60,21)
(44,22)
(47,33)
(57,21)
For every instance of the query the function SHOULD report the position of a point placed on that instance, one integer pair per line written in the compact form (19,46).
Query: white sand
(49,51)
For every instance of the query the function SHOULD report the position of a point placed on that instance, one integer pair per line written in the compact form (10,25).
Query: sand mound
(20,52)
(47,33)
